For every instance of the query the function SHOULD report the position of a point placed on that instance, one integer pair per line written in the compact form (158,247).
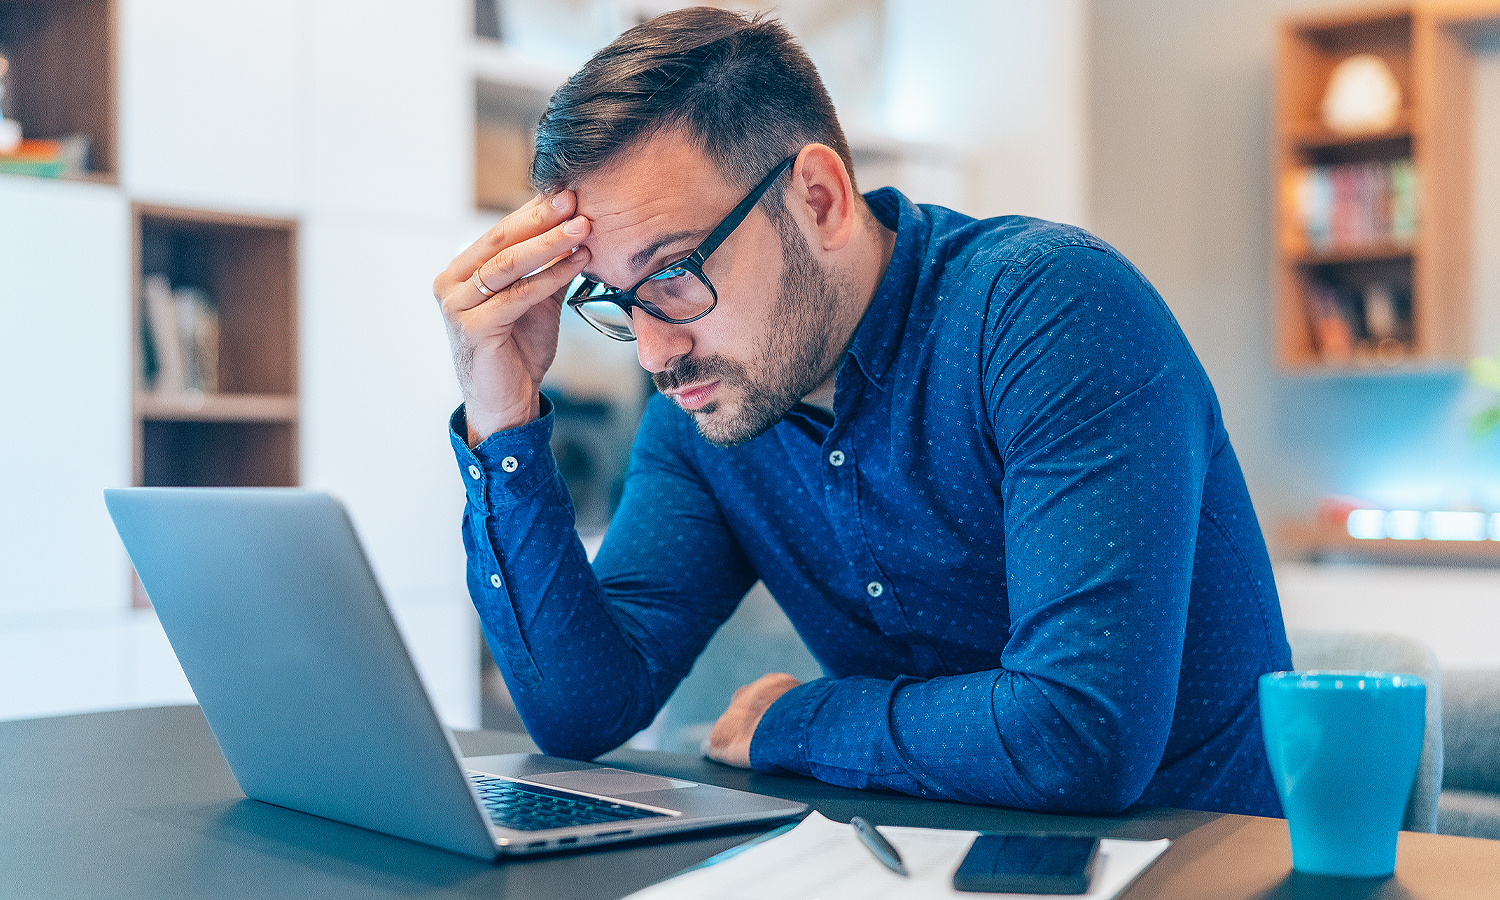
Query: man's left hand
(729,741)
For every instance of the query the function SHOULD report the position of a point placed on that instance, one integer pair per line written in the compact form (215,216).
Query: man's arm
(590,659)
(1106,427)
(587,665)
(500,300)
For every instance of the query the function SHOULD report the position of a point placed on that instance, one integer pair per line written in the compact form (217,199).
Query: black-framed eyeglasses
(678,292)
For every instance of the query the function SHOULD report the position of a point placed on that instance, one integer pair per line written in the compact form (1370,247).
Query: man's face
(765,345)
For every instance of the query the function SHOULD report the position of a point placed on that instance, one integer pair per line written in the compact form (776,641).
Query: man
(976,463)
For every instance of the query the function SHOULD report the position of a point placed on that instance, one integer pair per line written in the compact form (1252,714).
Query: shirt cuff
(780,739)
(508,466)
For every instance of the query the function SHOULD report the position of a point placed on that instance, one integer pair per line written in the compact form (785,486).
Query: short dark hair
(739,87)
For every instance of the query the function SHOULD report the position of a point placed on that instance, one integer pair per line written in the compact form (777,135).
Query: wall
(1179,124)
(1004,82)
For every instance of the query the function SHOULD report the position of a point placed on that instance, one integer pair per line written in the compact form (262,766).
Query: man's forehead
(648,199)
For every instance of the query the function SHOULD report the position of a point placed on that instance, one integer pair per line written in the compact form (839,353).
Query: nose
(659,344)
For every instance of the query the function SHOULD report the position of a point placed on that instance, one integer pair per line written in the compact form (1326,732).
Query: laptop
(275,615)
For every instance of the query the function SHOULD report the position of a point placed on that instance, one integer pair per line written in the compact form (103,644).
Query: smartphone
(1028,864)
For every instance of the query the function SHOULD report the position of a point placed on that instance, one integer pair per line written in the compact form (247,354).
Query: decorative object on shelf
(1362,96)
(487,20)
(1346,528)
(10,129)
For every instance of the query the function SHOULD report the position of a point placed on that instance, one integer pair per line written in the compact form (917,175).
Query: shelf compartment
(245,433)
(505,121)
(218,454)
(1371,253)
(63,78)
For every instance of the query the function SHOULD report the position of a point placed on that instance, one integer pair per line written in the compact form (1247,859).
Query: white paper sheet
(823,860)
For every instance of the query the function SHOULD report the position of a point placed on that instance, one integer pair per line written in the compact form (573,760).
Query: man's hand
(729,741)
(504,343)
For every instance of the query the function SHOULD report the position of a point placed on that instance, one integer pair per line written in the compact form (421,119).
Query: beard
(789,364)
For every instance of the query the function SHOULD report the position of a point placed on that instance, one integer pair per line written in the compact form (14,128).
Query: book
(1349,206)
(169,375)
(181,335)
(65,157)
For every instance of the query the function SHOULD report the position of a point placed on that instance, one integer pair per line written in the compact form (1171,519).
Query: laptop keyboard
(530,807)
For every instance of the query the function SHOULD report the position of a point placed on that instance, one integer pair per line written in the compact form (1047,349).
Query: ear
(823,196)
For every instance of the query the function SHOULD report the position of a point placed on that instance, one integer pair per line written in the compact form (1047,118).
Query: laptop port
(567,840)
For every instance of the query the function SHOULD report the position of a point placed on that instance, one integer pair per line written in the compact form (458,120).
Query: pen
(878,845)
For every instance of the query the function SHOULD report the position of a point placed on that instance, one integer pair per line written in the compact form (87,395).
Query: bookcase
(1359,285)
(240,430)
(63,79)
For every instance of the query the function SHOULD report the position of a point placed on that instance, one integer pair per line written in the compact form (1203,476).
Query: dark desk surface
(139,803)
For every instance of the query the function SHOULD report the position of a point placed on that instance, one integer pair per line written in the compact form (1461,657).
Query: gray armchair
(1368,651)
(1470,802)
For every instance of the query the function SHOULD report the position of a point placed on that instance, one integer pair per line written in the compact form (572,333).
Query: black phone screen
(1028,864)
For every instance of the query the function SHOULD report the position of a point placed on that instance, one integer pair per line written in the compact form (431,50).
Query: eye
(672,282)
(667,275)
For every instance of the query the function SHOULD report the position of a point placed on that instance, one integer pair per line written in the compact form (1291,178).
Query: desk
(139,803)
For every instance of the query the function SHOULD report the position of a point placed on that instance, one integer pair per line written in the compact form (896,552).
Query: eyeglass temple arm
(738,214)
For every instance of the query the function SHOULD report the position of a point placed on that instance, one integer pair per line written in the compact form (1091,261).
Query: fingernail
(559,200)
(574,225)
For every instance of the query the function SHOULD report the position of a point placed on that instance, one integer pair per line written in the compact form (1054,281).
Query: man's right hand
(503,344)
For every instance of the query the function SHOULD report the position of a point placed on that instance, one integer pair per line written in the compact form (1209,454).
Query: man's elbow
(1103,791)
(574,737)
(1100,778)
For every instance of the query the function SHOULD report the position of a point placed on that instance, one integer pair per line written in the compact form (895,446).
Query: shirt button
(495,580)
(875,588)
(836,458)
(474,472)
(509,464)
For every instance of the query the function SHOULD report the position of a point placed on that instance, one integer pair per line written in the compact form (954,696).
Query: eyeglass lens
(676,293)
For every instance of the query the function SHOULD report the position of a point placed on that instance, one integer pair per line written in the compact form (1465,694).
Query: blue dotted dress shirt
(1021,548)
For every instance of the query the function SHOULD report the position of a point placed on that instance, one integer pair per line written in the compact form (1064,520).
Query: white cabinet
(214,103)
(388,113)
(65,364)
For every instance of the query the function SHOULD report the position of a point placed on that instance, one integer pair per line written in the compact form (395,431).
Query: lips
(692,398)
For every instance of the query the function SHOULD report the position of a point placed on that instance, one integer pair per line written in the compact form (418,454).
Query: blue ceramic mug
(1344,748)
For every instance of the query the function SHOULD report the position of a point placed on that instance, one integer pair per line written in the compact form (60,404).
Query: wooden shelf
(1331,543)
(63,77)
(216,407)
(245,432)
(1312,136)
(1382,252)
(1429,48)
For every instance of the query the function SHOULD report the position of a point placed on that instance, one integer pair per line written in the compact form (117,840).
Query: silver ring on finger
(478,282)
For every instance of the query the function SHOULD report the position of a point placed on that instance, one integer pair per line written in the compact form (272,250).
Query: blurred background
(219,232)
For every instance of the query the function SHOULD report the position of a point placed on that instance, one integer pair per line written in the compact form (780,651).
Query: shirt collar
(878,337)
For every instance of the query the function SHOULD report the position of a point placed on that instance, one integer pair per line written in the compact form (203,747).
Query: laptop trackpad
(610,782)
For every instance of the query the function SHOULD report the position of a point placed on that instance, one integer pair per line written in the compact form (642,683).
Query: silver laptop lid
(266,597)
